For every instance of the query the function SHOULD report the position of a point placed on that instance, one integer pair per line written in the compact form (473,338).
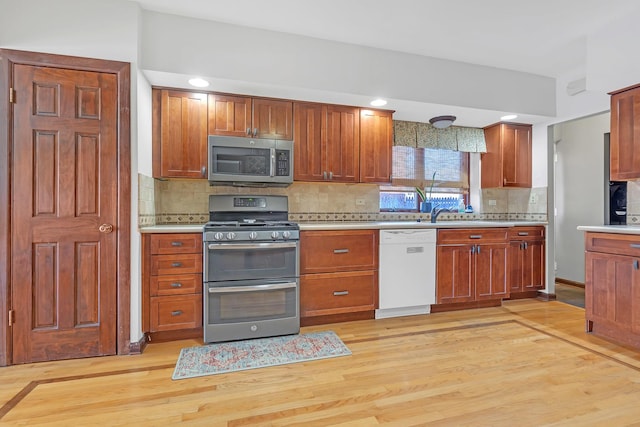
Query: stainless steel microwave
(250,161)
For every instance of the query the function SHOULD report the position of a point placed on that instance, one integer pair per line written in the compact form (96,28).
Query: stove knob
(286,234)
(253,235)
(231,235)
(218,236)
(274,234)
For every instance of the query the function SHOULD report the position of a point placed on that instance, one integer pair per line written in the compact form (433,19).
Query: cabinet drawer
(176,284)
(526,233)
(176,312)
(333,293)
(621,244)
(472,235)
(176,264)
(188,243)
(332,251)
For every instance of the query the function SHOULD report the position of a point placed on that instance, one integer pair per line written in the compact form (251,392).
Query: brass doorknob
(105,228)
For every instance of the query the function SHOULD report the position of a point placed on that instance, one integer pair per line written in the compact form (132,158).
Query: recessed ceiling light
(509,117)
(378,102)
(198,82)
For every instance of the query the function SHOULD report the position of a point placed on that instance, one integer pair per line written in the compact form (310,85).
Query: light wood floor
(527,363)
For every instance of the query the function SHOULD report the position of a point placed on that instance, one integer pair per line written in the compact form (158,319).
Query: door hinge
(12,95)
(12,318)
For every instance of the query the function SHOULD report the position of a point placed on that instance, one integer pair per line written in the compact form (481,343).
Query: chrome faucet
(436,211)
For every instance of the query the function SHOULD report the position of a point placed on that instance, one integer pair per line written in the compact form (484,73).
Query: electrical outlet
(359,202)
(492,202)
(533,198)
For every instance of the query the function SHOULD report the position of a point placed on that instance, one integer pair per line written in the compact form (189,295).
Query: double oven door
(250,290)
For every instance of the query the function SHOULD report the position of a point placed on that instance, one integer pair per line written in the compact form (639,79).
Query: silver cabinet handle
(526,245)
(635,264)
(248,131)
(341,251)
(340,293)
(176,285)
(203,171)
(324,174)
(330,176)
(255,132)
(523,233)
(477,249)
(473,249)
(176,264)
(176,243)
(476,236)
(635,245)
(176,312)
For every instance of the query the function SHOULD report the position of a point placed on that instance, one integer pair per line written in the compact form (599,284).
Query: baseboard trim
(569,282)
(544,296)
(138,346)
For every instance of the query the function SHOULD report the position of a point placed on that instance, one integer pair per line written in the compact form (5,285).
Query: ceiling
(544,37)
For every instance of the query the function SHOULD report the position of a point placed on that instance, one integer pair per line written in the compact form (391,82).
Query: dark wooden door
(376,140)
(229,115)
(307,140)
(64,211)
(272,119)
(516,155)
(625,135)
(490,271)
(343,143)
(454,274)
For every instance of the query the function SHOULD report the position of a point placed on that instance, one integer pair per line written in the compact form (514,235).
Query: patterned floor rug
(250,354)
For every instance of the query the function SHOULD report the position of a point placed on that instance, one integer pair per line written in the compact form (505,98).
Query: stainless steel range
(251,269)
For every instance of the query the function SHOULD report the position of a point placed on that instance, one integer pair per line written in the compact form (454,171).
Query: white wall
(579,189)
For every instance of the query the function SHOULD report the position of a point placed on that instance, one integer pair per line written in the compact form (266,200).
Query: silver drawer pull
(176,285)
(635,245)
(476,236)
(176,243)
(523,233)
(340,293)
(176,264)
(176,312)
(341,251)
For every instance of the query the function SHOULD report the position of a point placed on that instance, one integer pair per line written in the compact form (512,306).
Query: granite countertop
(619,229)
(360,225)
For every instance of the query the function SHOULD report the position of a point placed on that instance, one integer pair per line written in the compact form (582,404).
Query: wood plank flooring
(527,363)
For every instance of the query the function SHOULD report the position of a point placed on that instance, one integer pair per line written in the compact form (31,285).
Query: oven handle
(240,246)
(271,287)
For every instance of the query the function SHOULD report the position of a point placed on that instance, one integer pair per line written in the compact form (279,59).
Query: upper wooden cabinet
(376,141)
(179,134)
(507,162)
(625,135)
(342,144)
(232,115)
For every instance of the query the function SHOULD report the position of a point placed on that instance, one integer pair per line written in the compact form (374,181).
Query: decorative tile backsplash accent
(176,201)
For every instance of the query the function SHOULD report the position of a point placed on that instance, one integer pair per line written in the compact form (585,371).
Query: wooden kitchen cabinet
(507,162)
(338,276)
(179,134)
(326,142)
(471,268)
(376,142)
(235,115)
(526,261)
(172,285)
(625,135)
(612,286)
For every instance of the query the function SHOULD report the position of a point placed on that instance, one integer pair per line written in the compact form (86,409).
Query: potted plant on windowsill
(426,203)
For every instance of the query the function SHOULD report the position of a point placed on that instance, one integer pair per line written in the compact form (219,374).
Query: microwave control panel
(282,162)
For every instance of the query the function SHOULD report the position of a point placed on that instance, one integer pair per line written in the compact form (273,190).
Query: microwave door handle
(273,162)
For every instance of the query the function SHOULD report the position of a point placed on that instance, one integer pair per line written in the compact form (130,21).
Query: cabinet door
(229,115)
(516,156)
(515,266)
(182,143)
(376,141)
(625,135)
(612,290)
(454,274)
(272,119)
(533,265)
(342,144)
(490,271)
(307,140)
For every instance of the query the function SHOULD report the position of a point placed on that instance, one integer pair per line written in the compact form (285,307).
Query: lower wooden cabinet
(471,268)
(172,285)
(338,276)
(526,261)
(612,286)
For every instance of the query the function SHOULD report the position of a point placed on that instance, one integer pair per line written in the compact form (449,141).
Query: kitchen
(155,64)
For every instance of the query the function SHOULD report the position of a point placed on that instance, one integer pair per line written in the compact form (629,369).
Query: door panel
(64,185)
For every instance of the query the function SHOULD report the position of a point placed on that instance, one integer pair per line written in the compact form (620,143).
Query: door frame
(122,70)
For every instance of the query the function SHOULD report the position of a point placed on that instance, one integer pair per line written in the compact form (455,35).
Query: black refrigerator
(615,194)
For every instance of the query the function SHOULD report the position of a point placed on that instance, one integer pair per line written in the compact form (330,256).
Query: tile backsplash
(184,201)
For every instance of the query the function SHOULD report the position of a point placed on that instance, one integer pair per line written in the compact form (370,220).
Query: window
(414,167)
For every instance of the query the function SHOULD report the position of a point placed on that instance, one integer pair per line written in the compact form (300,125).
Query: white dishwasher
(407,272)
